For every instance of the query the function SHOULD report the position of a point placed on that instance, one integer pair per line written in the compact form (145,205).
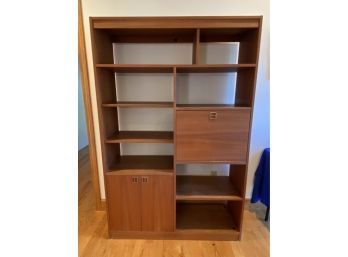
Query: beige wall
(260,131)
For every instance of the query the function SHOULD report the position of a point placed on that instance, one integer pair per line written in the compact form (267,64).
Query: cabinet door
(123,202)
(157,203)
(212,135)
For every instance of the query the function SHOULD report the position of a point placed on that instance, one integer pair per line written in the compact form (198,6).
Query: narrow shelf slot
(205,188)
(204,216)
(144,164)
(210,162)
(180,68)
(209,106)
(138,68)
(211,68)
(141,137)
(138,104)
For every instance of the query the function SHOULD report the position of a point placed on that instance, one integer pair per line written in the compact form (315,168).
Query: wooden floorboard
(93,240)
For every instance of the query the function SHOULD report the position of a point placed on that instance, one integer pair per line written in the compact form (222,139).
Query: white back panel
(152,53)
(202,169)
(144,87)
(147,149)
(206,88)
(145,119)
(219,53)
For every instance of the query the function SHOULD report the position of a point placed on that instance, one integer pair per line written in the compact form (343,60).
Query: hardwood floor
(93,240)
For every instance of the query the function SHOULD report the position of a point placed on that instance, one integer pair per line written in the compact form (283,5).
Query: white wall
(260,131)
(83,138)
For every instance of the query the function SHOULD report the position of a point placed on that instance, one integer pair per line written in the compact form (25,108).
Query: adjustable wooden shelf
(146,195)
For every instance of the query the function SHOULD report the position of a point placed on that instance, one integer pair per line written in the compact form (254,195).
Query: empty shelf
(138,68)
(150,164)
(205,188)
(209,106)
(202,216)
(201,68)
(131,104)
(141,137)
(180,68)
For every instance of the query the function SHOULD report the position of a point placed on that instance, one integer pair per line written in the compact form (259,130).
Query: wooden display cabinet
(145,196)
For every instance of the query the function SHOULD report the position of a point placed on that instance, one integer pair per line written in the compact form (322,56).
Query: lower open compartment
(213,221)
(209,220)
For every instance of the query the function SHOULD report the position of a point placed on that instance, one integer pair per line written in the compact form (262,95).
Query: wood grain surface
(223,137)
(93,238)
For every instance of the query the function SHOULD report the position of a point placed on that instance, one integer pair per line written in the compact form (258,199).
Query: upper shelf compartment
(144,46)
(241,42)
(153,46)
(171,40)
(152,35)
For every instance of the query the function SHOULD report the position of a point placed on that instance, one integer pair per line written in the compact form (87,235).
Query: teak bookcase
(145,196)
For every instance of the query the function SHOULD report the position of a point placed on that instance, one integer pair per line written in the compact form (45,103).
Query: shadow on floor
(260,211)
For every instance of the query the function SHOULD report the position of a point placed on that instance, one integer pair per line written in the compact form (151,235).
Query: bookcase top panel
(176,22)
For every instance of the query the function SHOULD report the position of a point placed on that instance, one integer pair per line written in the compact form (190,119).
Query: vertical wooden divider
(257,42)
(174,143)
(98,95)
(195,50)
(238,175)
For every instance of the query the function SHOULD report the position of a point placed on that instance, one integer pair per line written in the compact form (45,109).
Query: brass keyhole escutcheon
(212,115)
